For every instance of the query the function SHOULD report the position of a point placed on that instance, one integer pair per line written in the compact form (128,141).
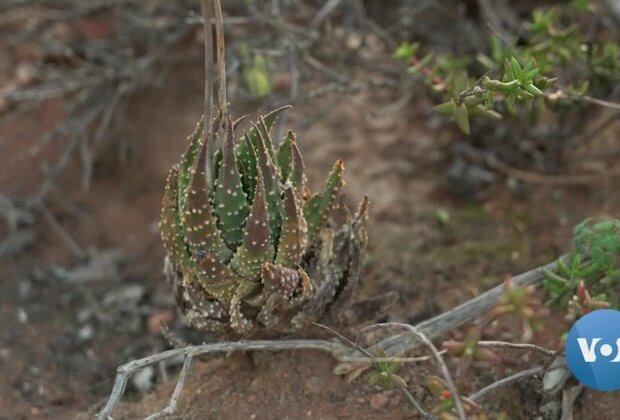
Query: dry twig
(518,346)
(505,381)
(462,314)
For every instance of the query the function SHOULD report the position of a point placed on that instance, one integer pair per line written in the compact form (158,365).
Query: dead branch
(505,381)
(417,405)
(518,346)
(462,314)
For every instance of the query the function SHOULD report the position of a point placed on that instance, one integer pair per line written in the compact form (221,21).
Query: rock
(314,384)
(556,376)
(551,410)
(22,315)
(24,290)
(142,380)
(379,401)
(26,74)
(102,266)
(85,333)
(128,294)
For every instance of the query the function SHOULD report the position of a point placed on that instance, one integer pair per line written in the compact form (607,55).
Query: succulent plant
(249,246)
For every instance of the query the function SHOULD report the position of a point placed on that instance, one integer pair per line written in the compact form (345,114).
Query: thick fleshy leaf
(317,207)
(278,278)
(273,192)
(285,289)
(298,173)
(284,156)
(170,224)
(216,278)
(293,236)
(188,163)
(245,151)
(231,201)
(197,217)
(246,157)
(256,248)
(461,116)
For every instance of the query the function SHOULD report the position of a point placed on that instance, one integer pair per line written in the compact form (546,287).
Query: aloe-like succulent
(249,246)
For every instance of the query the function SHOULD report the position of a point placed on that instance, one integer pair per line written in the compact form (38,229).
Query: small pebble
(379,401)
(86,332)
(142,380)
(22,315)
(556,376)
(125,294)
(314,384)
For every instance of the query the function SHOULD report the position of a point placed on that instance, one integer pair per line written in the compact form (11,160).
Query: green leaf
(293,237)
(188,161)
(247,148)
(461,116)
(257,76)
(216,278)
(256,248)
(170,222)
(231,204)
(197,217)
(533,89)
(406,51)
(509,74)
(517,71)
(298,174)
(374,378)
(271,179)
(481,111)
(446,107)
(511,98)
(284,156)
(317,207)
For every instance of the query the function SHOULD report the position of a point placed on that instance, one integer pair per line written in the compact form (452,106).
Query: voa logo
(588,351)
(593,350)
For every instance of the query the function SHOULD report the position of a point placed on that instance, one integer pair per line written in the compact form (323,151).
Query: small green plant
(242,230)
(593,268)
(445,407)
(493,83)
(257,72)
(384,374)
(250,247)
